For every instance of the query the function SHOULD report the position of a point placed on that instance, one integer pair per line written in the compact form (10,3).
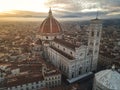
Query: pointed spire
(50,12)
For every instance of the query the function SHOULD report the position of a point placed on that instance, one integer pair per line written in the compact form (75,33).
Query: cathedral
(73,61)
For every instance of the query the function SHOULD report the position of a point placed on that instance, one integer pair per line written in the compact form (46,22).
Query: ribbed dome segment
(50,26)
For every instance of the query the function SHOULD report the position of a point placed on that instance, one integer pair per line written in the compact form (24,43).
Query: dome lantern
(50,12)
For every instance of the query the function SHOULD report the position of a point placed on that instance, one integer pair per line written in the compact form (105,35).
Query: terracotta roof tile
(50,26)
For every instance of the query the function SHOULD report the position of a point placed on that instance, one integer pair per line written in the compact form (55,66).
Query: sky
(64,9)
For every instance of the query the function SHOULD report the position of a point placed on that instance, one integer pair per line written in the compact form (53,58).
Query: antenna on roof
(97,15)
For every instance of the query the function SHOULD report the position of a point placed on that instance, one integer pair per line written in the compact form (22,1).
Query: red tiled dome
(50,26)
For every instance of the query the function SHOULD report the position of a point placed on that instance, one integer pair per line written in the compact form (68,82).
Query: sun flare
(28,5)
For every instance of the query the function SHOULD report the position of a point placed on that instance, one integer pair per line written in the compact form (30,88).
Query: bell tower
(95,29)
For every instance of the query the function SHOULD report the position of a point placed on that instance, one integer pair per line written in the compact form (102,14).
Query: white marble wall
(70,68)
(29,86)
(95,30)
(52,81)
(49,37)
(67,50)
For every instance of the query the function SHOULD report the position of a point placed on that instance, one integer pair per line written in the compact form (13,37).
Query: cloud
(114,13)
(74,9)
(104,7)
(20,13)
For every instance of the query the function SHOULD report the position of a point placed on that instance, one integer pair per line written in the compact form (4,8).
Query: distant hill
(70,25)
(109,22)
(105,22)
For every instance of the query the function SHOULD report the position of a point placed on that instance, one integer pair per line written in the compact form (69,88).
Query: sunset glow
(27,5)
(83,9)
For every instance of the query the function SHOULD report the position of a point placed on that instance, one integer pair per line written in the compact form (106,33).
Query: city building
(29,75)
(107,80)
(2,74)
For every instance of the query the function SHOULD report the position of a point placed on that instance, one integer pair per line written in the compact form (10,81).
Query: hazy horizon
(62,9)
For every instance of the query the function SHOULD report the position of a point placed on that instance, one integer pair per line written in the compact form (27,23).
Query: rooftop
(24,79)
(109,78)
(62,53)
(52,72)
(66,44)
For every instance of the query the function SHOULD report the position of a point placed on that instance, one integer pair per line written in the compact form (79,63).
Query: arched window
(46,37)
(98,34)
(72,74)
(92,33)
